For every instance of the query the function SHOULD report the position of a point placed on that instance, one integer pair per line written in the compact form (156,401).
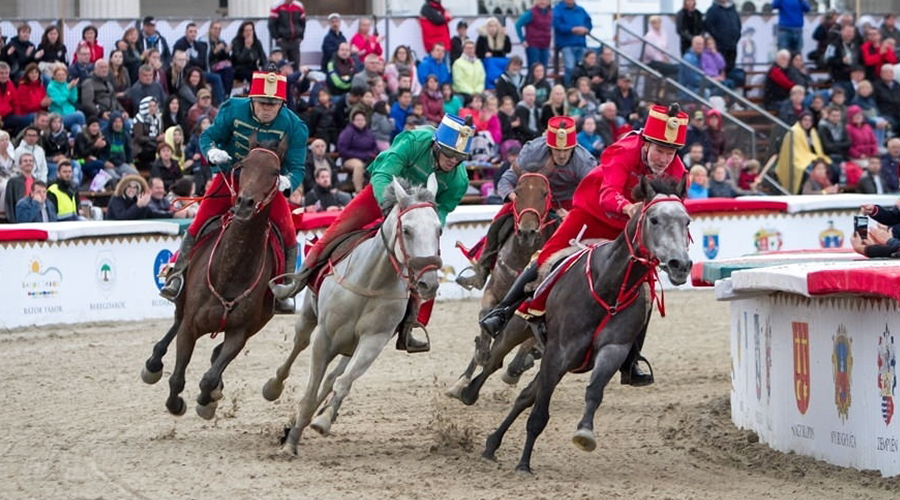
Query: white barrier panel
(818,377)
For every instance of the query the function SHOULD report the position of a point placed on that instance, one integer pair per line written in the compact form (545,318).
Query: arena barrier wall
(106,271)
(814,358)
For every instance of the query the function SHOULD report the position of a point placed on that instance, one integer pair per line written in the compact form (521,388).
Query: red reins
(543,220)
(412,275)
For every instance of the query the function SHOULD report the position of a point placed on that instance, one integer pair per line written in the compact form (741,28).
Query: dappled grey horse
(360,304)
(597,309)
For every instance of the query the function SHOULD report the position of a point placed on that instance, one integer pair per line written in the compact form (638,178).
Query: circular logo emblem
(161,260)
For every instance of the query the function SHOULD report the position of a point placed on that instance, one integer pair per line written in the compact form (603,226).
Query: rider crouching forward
(413,156)
(264,115)
(558,156)
(601,208)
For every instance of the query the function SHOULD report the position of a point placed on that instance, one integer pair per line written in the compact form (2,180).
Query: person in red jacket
(601,208)
(435,23)
(876,53)
(9,103)
(32,94)
(287,25)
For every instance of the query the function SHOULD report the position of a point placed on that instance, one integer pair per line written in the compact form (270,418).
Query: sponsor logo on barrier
(105,271)
(831,237)
(41,282)
(758,356)
(801,365)
(162,258)
(711,244)
(887,375)
(768,336)
(842,364)
(767,240)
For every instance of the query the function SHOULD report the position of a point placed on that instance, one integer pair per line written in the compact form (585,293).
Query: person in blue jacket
(570,25)
(723,23)
(790,23)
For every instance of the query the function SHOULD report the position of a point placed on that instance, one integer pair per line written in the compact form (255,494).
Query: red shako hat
(666,126)
(268,85)
(561,133)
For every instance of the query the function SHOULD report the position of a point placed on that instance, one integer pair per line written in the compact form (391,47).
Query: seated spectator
(64,99)
(323,197)
(373,69)
(81,69)
(98,97)
(340,71)
(358,148)
(89,40)
(146,132)
(35,207)
(488,117)
(833,133)
(381,126)
(32,94)
(865,99)
(575,105)
(537,77)
(492,40)
(203,107)
(118,75)
(529,117)
(57,148)
(887,96)
(468,72)
(182,208)
(816,108)
(401,109)
(364,43)
(155,61)
(714,135)
(9,103)
(839,100)
(63,194)
(166,167)
(174,136)
(315,160)
(699,188)
(19,186)
(589,102)
(556,105)
(588,137)
(402,63)
(31,144)
(132,54)
(870,182)
(791,109)
(160,206)
(51,51)
(146,86)
(190,86)
(624,98)
(798,151)
(890,166)
(748,178)
(778,84)
(694,156)
(456,43)
(719,185)
(434,64)
(696,133)
(7,168)
(610,73)
(611,127)
(131,200)
(713,63)
(693,58)
(656,49)
(735,164)
(365,105)
(798,74)
(452,102)
(247,53)
(862,139)
(432,101)
(90,148)
(507,116)
(590,68)
(19,51)
(322,121)
(510,83)
(118,159)
(876,53)
(818,182)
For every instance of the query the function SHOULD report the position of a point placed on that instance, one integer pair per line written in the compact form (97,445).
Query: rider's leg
(216,202)
(494,321)
(363,210)
(632,374)
(281,217)
(417,315)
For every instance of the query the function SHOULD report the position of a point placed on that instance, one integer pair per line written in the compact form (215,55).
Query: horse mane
(416,194)
(661,185)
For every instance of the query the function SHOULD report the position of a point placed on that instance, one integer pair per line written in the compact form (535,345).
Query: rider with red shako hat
(262,114)
(602,207)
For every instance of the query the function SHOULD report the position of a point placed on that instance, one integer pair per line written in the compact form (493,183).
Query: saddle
(336,251)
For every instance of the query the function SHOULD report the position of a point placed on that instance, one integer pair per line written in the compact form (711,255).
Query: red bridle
(543,220)
(414,271)
(270,195)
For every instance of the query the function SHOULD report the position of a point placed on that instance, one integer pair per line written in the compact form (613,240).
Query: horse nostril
(674,264)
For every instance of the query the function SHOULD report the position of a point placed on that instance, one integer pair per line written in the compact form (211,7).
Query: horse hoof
(455,391)
(322,423)
(488,457)
(207,412)
(509,378)
(150,377)
(584,440)
(469,397)
(217,394)
(524,471)
(178,408)
(272,389)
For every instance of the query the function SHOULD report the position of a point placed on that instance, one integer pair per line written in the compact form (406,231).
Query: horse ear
(283,147)
(432,185)
(252,142)
(399,192)
(681,188)
(645,190)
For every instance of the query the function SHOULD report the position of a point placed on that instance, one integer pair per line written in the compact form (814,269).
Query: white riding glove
(217,157)
(284,182)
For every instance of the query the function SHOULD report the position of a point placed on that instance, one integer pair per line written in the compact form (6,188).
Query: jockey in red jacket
(602,206)
(265,116)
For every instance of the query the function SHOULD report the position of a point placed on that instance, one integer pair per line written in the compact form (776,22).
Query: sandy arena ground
(78,423)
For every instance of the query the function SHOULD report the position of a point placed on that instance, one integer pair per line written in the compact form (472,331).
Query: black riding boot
(494,321)
(482,268)
(286,305)
(632,374)
(175,277)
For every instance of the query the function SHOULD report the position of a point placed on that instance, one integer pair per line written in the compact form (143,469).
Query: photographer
(879,242)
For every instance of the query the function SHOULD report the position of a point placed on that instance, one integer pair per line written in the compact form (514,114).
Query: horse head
(661,227)
(411,232)
(531,207)
(259,178)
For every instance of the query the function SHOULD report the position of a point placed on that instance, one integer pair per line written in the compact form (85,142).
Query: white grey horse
(360,305)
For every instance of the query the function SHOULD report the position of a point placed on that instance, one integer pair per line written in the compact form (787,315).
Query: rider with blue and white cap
(414,155)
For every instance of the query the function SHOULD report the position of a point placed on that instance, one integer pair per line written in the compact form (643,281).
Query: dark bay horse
(597,308)
(226,285)
(532,226)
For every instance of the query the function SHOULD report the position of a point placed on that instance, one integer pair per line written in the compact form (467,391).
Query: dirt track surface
(78,423)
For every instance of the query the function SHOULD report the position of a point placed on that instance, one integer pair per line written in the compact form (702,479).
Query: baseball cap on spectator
(282,63)
(698,115)
(149,20)
(624,76)
(462,24)
(203,93)
(333,15)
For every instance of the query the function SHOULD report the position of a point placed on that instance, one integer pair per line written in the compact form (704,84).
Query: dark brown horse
(226,285)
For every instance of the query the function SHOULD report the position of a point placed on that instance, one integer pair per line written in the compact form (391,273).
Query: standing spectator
(247,54)
(456,43)
(401,109)
(434,64)
(198,57)
(203,107)
(32,94)
(822,36)
(862,139)
(870,182)
(842,54)
(538,22)
(20,186)
(340,71)
(655,52)
(511,81)
(220,57)
(364,43)
(19,51)
(537,77)
(876,53)
(588,137)
(287,26)
(51,50)
(149,38)
(118,157)
(166,168)
(145,87)
(834,135)
(435,23)
(31,146)
(570,25)
(323,197)
(131,200)
(528,114)
(432,101)
(790,23)
(887,96)
(777,87)
(333,39)
(402,64)
(89,40)
(689,23)
(358,148)
(492,40)
(35,207)
(723,23)
(468,72)
(63,193)
(129,48)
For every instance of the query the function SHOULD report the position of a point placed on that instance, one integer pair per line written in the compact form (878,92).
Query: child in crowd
(748,174)
(719,186)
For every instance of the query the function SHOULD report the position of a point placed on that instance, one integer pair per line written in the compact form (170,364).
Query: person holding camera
(877,241)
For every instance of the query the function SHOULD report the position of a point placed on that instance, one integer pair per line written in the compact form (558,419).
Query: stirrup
(169,291)
(293,284)
(634,376)
(406,342)
(285,306)
(473,281)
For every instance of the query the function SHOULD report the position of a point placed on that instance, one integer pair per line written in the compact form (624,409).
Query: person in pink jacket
(364,43)
(862,138)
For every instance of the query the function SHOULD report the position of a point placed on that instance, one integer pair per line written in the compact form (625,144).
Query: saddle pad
(562,264)
(338,251)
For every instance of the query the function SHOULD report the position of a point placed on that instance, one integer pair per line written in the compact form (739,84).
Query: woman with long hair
(537,76)
(32,94)
(118,75)
(490,119)
(555,106)
(131,55)
(173,114)
(247,54)
(402,63)
(193,81)
(492,40)
(432,101)
(51,50)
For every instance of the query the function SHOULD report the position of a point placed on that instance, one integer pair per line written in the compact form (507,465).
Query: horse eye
(407,232)
(654,220)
